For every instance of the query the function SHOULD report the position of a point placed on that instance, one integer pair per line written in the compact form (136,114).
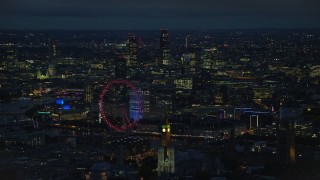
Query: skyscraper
(206,57)
(163,38)
(132,51)
(134,105)
(164,48)
(52,50)
(88,93)
(52,59)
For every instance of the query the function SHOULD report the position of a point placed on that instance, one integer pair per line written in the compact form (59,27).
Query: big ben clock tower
(166,152)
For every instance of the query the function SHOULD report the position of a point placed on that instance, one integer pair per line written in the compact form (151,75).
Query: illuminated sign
(43,112)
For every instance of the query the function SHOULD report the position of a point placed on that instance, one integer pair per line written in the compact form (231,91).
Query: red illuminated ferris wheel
(118,99)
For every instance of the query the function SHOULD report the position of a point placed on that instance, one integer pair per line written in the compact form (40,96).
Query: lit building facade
(52,59)
(135,112)
(206,58)
(132,51)
(88,93)
(183,83)
(41,75)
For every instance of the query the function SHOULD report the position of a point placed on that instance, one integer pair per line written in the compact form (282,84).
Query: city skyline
(181,89)
(129,15)
(92,104)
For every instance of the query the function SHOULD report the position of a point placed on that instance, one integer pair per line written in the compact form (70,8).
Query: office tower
(192,59)
(189,62)
(135,106)
(88,93)
(186,45)
(164,48)
(145,101)
(132,51)
(52,59)
(52,49)
(166,161)
(120,68)
(206,58)
(163,38)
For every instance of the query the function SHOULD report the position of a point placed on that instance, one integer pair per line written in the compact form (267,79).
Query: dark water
(16,110)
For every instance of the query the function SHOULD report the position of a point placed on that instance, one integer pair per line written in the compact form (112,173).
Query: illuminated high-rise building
(145,103)
(164,48)
(132,51)
(88,93)
(166,159)
(52,59)
(188,61)
(206,58)
(135,106)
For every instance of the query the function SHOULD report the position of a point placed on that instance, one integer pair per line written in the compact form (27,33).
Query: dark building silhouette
(286,141)
(163,38)
(120,68)
(164,48)
(52,49)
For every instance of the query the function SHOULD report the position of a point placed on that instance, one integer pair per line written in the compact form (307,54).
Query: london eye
(120,105)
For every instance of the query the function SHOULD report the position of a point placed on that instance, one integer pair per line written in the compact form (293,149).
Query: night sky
(155,14)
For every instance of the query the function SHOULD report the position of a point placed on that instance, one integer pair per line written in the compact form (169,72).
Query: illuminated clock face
(165,130)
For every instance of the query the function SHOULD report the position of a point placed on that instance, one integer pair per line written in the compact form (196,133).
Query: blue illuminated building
(134,106)
(59,101)
(66,107)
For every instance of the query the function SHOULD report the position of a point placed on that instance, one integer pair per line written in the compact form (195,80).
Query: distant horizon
(154,29)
